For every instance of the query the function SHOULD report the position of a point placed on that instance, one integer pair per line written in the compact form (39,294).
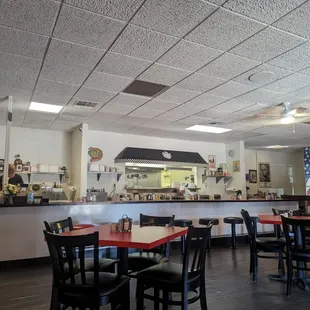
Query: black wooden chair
(262,245)
(105,264)
(143,259)
(180,278)
(85,289)
(297,249)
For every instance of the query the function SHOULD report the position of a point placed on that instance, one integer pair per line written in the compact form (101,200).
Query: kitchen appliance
(96,195)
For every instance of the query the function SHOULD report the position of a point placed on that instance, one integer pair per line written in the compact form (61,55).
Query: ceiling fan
(281,114)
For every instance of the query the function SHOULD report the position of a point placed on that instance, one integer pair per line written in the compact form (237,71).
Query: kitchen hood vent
(85,104)
(159,157)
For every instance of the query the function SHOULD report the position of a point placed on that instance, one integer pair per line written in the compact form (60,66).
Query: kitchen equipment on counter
(96,195)
(136,197)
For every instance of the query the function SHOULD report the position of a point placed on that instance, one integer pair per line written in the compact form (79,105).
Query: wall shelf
(60,174)
(218,178)
(99,173)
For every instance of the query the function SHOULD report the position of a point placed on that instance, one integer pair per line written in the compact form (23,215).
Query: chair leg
(140,295)
(289,265)
(255,266)
(55,305)
(251,260)
(125,304)
(202,293)
(165,300)
(182,245)
(156,298)
(209,244)
(184,300)
(281,262)
(233,235)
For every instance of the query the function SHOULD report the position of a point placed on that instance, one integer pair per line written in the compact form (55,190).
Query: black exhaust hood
(161,157)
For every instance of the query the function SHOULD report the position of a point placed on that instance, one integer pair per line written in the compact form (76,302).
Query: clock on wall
(231,153)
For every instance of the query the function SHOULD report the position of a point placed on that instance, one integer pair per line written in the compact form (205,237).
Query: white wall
(113,143)
(279,163)
(37,146)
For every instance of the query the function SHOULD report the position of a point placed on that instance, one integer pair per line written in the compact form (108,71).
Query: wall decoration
(264,175)
(212,161)
(236,166)
(95,154)
(253,176)
(1,165)
(307,169)
(19,168)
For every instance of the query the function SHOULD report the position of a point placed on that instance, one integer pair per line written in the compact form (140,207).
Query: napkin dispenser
(125,223)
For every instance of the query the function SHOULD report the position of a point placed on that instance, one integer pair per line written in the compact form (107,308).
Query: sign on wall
(212,161)
(264,175)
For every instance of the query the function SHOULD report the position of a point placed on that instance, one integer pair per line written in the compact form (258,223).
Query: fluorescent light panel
(44,107)
(276,147)
(208,129)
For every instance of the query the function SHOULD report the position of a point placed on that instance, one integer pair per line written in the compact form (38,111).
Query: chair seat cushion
(105,264)
(233,220)
(107,281)
(183,223)
(206,221)
(270,244)
(139,261)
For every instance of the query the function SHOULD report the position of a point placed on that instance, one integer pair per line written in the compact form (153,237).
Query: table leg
(122,254)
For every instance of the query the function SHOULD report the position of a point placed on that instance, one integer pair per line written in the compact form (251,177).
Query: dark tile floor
(229,286)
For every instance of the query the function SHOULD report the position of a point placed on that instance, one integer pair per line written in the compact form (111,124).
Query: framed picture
(264,175)
(236,166)
(19,168)
(253,176)
(1,165)
(212,161)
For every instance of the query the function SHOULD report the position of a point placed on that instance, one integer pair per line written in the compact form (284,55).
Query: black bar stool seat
(233,221)
(206,221)
(183,223)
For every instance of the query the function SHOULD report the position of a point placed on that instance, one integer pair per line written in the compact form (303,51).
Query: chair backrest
(150,220)
(59,226)
(280,212)
(196,244)
(299,230)
(248,224)
(74,287)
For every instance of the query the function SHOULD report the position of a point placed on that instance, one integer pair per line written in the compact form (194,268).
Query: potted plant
(10,191)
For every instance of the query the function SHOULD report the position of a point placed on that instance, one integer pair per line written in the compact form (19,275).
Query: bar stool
(206,221)
(183,223)
(233,221)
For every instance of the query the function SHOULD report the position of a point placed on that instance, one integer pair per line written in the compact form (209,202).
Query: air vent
(216,123)
(143,88)
(85,104)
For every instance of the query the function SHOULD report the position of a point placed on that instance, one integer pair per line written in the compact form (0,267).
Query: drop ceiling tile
(254,109)
(228,66)
(61,126)
(279,74)
(189,56)
(14,80)
(33,115)
(37,125)
(260,95)
(58,72)
(172,116)
(200,82)
(163,74)
(19,64)
(55,88)
(212,113)
(116,109)
(22,43)
(122,65)
(173,17)
(290,83)
(86,28)
(218,2)
(94,95)
(75,55)
(143,43)
(159,105)
(59,99)
(264,10)
(21,98)
(78,111)
(291,97)
(194,120)
(129,100)
(178,95)
(301,93)
(118,9)
(145,113)
(223,30)
(103,81)
(231,89)
(31,15)
(295,59)
(267,44)
(297,21)
(71,118)
(103,118)
(234,105)
(305,71)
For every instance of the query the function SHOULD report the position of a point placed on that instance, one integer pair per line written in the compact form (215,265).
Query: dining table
(276,220)
(140,237)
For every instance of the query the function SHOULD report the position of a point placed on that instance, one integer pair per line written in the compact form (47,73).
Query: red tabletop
(276,219)
(82,226)
(147,237)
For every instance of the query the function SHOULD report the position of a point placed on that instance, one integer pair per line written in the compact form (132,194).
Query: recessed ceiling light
(208,129)
(276,147)
(263,76)
(44,107)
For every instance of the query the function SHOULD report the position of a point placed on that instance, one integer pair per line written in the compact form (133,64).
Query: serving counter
(21,226)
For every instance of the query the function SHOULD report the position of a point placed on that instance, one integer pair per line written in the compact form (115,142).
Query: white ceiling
(59,52)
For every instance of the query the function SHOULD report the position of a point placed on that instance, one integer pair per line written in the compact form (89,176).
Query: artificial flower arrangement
(10,189)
